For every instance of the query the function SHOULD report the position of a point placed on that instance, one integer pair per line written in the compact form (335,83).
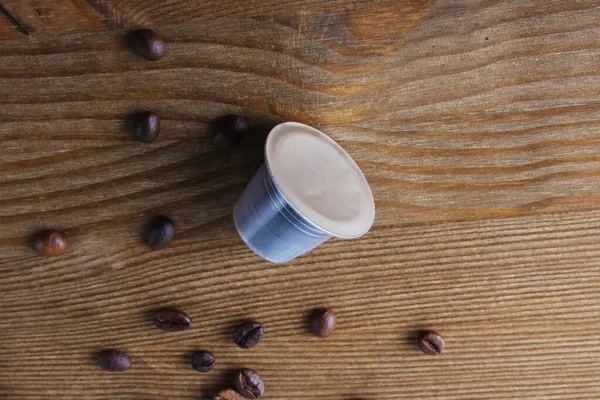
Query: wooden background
(475,121)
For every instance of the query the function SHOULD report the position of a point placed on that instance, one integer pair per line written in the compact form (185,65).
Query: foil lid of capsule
(320,179)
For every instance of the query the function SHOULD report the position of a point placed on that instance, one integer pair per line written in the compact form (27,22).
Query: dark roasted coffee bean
(228,394)
(172,320)
(431,343)
(50,243)
(203,361)
(248,335)
(149,45)
(249,383)
(323,322)
(228,131)
(113,360)
(146,127)
(160,232)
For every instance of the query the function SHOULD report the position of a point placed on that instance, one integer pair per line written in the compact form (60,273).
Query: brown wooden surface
(475,121)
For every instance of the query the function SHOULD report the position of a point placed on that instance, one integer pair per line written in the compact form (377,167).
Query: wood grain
(51,17)
(475,122)
(10,27)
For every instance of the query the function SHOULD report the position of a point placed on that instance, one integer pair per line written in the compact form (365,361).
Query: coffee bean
(203,361)
(172,320)
(228,394)
(431,343)
(146,127)
(160,232)
(249,383)
(323,322)
(228,131)
(113,360)
(248,335)
(50,243)
(149,45)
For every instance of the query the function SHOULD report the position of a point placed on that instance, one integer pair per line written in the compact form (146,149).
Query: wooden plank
(475,121)
(515,298)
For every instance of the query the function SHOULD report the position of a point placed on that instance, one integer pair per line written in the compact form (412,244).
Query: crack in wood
(15,22)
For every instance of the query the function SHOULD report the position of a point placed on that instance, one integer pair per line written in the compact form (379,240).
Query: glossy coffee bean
(323,322)
(228,394)
(431,343)
(203,361)
(113,360)
(160,232)
(172,320)
(149,45)
(146,127)
(228,131)
(249,383)
(248,334)
(50,243)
